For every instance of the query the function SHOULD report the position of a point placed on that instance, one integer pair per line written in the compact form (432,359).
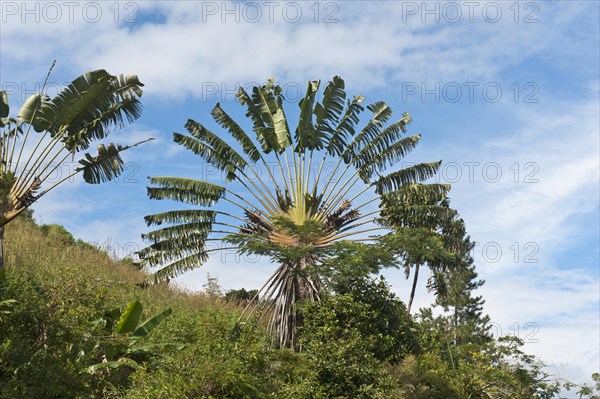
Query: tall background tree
(48,132)
(425,232)
(284,204)
(457,317)
(463,309)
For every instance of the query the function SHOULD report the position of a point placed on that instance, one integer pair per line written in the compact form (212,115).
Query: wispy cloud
(194,44)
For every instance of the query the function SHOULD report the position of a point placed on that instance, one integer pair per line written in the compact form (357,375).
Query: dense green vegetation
(62,303)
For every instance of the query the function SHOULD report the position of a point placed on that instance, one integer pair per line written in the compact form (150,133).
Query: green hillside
(60,338)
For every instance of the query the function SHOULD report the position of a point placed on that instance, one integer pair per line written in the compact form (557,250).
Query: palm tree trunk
(1,248)
(414,287)
(298,286)
(455,326)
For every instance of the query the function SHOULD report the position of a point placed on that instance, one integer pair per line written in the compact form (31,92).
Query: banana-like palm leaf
(222,118)
(106,165)
(4,109)
(411,174)
(146,327)
(263,133)
(129,318)
(190,191)
(371,160)
(29,108)
(305,134)
(83,104)
(345,129)
(381,113)
(103,167)
(87,109)
(329,112)
(268,99)
(181,265)
(181,216)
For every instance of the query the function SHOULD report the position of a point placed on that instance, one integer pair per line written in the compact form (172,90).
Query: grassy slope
(73,270)
(61,287)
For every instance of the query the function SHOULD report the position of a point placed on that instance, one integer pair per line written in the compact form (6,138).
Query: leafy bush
(351,338)
(221,360)
(40,354)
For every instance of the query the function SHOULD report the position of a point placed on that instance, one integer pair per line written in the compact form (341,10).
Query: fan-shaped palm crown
(285,208)
(85,110)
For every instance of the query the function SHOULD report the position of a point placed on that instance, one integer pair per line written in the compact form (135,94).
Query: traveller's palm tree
(426,231)
(287,213)
(48,132)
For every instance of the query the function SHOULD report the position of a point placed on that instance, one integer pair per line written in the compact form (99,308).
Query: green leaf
(8,302)
(381,113)
(130,318)
(345,129)
(306,132)
(191,191)
(90,106)
(181,216)
(149,325)
(161,346)
(122,362)
(103,167)
(412,174)
(223,119)
(373,159)
(253,112)
(328,112)
(106,165)
(29,108)
(211,148)
(179,231)
(282,130)
(268,100)
(180,266)
(167,249)
(4,109)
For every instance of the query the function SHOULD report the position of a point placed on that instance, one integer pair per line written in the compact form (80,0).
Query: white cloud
(193,46)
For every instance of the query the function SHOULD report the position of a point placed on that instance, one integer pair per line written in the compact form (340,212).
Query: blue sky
(506,93)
